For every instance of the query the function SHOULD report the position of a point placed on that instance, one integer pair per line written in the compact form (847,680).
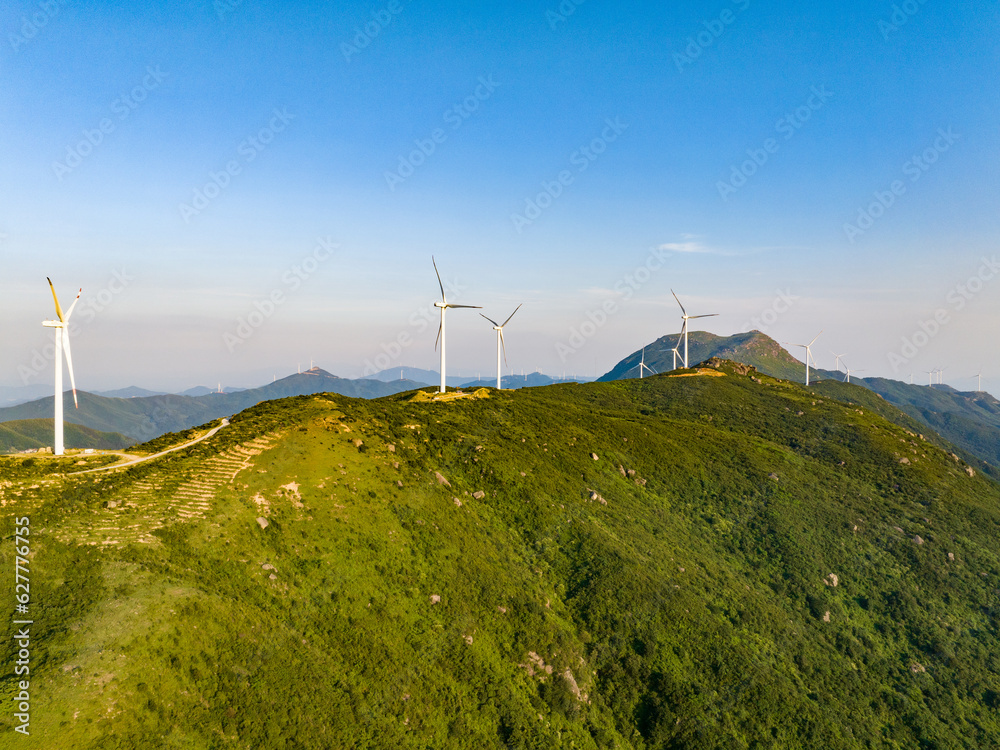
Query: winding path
(133,460)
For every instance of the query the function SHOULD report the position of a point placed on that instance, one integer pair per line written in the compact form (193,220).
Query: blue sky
(303,118)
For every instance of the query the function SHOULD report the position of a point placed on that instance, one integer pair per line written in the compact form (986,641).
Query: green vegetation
(24,434)
(713,560)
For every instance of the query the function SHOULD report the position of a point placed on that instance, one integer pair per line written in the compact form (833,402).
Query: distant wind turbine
(839,357)
(979,388)
(684,329)
(849,371)
(644,366)
(61,327)
(809,356)
(443,304)
(500,342)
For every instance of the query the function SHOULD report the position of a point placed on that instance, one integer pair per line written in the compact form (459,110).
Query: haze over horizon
(199,167)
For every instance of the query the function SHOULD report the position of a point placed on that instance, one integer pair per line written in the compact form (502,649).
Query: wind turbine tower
(500,342)
(61,327)
(809,356)
(684,328)
(445,306)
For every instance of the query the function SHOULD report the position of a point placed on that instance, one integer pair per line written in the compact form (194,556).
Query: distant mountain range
(970,420)
(144,418)
(513,382)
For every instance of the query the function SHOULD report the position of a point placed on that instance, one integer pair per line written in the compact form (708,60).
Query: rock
(435,598)
(571,683)
(358,442)
(523,474)
(273,577)
(970,471)
(468,639)
(918,540)
(594,456)
(395,464)
(441,479)
(773,476)
(399,483)
(957,459)
(479,495)
(502,610)
(631,472)
(898,529)
(392,448)
(262,522)
(457,502)
(951,556)
(621,470)
(640,481)
(826,616)
(904,460)
(832,580)
(267,566)
(112,503)
(917,668)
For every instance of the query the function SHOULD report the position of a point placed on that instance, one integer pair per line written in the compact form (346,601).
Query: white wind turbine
(979,388)
(839,357)
(644,366)
(809,356)
(61,327)
(443,304)
(849,371)
(684,329)
(500,342)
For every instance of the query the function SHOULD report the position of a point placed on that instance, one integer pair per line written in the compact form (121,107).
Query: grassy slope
(37,433)
(689,609)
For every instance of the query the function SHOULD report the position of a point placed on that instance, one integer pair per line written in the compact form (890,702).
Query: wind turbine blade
(489,319)
(683,311)
(817,336)
(59,312)
(503,346)
(467,307)
(440,326)
(70,311)
(69,365)
(713,315)
(443,298)
(512,315)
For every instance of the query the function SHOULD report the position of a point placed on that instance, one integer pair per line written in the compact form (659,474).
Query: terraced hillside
(711,559)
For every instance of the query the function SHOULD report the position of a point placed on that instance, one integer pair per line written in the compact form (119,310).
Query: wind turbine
(839,357)
(644,366)
(808,348)
(500,342)
(676,352)
(443,304)
(979,388)
(849,371)
(930,377)
(684,329)
(61,327)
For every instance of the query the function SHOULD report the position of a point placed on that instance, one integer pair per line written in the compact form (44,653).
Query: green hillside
(149,417)
(704,560)
(23,434)
(753,348)
(971,421)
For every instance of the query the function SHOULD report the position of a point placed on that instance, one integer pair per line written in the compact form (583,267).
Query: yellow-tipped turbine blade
(59,311)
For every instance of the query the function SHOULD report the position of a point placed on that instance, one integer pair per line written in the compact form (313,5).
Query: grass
(674,592)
